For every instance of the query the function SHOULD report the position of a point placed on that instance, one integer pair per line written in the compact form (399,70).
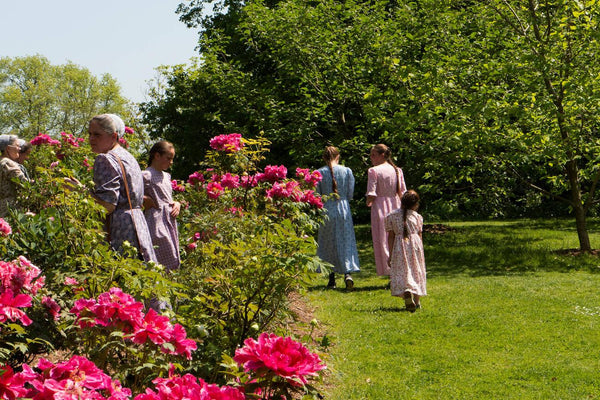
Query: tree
(482,100)
(36,96)
(539,94)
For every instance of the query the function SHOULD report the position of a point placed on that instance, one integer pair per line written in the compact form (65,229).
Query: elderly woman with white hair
(119,186)
(9,170)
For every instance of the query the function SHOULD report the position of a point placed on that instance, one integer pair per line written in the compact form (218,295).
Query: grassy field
(507,317)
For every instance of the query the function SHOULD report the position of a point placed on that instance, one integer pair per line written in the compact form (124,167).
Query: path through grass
(506,318)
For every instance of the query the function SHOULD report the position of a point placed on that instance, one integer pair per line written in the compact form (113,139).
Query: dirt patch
(303,323)
(437,229)
(305,327)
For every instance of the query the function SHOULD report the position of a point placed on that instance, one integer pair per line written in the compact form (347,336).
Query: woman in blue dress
(336,240)
(122,202)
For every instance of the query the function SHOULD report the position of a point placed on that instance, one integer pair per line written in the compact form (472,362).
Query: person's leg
(409,302)
(417,300)
(331,283)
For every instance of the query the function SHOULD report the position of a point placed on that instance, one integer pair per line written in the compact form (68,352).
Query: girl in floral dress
(160,209)
(407,259)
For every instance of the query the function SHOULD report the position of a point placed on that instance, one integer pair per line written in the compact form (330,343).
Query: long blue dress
(336,240)
(109,186)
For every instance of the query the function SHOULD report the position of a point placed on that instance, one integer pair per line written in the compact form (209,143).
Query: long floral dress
(109,187)
(9,170)
(408,272)
(382,184)
(162,226)
(336,239)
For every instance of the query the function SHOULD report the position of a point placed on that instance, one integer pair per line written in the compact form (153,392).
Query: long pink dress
(408,272)
(382,184)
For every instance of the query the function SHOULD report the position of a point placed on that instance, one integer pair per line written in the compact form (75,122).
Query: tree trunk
(578,208)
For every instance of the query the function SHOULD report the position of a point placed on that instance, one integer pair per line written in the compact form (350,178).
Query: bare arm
(391,237)
(109,207)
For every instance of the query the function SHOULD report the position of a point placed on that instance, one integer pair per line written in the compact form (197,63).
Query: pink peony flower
(230,181)
(177,187)
(282,356)
(20,276)
(71,281)
(228,143)
(195,178)
(42,138)
(71,140)
(52,306)
(5,228)
(10,305)
(272,173)
(247,181)
(189,387)
(77,378)
(214,190)
(86,163)
(12,386)
(123,142)
(129,130)
(192,246)
(312,199)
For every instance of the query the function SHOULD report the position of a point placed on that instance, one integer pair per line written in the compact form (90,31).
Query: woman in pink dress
(385,187)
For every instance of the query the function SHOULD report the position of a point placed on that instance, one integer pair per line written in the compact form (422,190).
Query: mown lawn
(506,318)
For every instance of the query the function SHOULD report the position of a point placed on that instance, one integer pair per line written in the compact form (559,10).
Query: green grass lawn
(506,318)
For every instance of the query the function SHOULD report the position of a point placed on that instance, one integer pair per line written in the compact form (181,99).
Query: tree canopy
(488,105)
(36,96)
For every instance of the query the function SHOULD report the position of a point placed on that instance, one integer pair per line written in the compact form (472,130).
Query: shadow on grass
(511,247)
(485,248)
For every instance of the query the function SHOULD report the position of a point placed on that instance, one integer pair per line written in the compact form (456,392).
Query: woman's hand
(370,200)
(176,208)
(149,203)
(72,183)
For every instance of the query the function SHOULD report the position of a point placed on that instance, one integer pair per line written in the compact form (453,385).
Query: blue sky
(127,39)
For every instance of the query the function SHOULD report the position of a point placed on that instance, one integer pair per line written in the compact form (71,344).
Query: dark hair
(26,147)
(161,148)
(410,198)
(387,153)
(330,154)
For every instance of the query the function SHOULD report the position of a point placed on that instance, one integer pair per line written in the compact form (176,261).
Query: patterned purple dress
(110,188)
(162,226)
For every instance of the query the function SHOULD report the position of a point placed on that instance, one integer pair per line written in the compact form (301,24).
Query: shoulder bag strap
(128,198)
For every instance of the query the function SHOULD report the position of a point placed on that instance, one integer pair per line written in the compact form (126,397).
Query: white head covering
(119,124)
(6,140)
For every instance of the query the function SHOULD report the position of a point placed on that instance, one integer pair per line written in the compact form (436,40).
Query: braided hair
(410,198)
(387,153)
(329,155)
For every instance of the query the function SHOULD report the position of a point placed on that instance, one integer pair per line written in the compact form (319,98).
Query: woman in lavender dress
(159,208)
(385,187)
(127,222)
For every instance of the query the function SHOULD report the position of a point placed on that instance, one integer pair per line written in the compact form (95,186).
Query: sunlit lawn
(506,318)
